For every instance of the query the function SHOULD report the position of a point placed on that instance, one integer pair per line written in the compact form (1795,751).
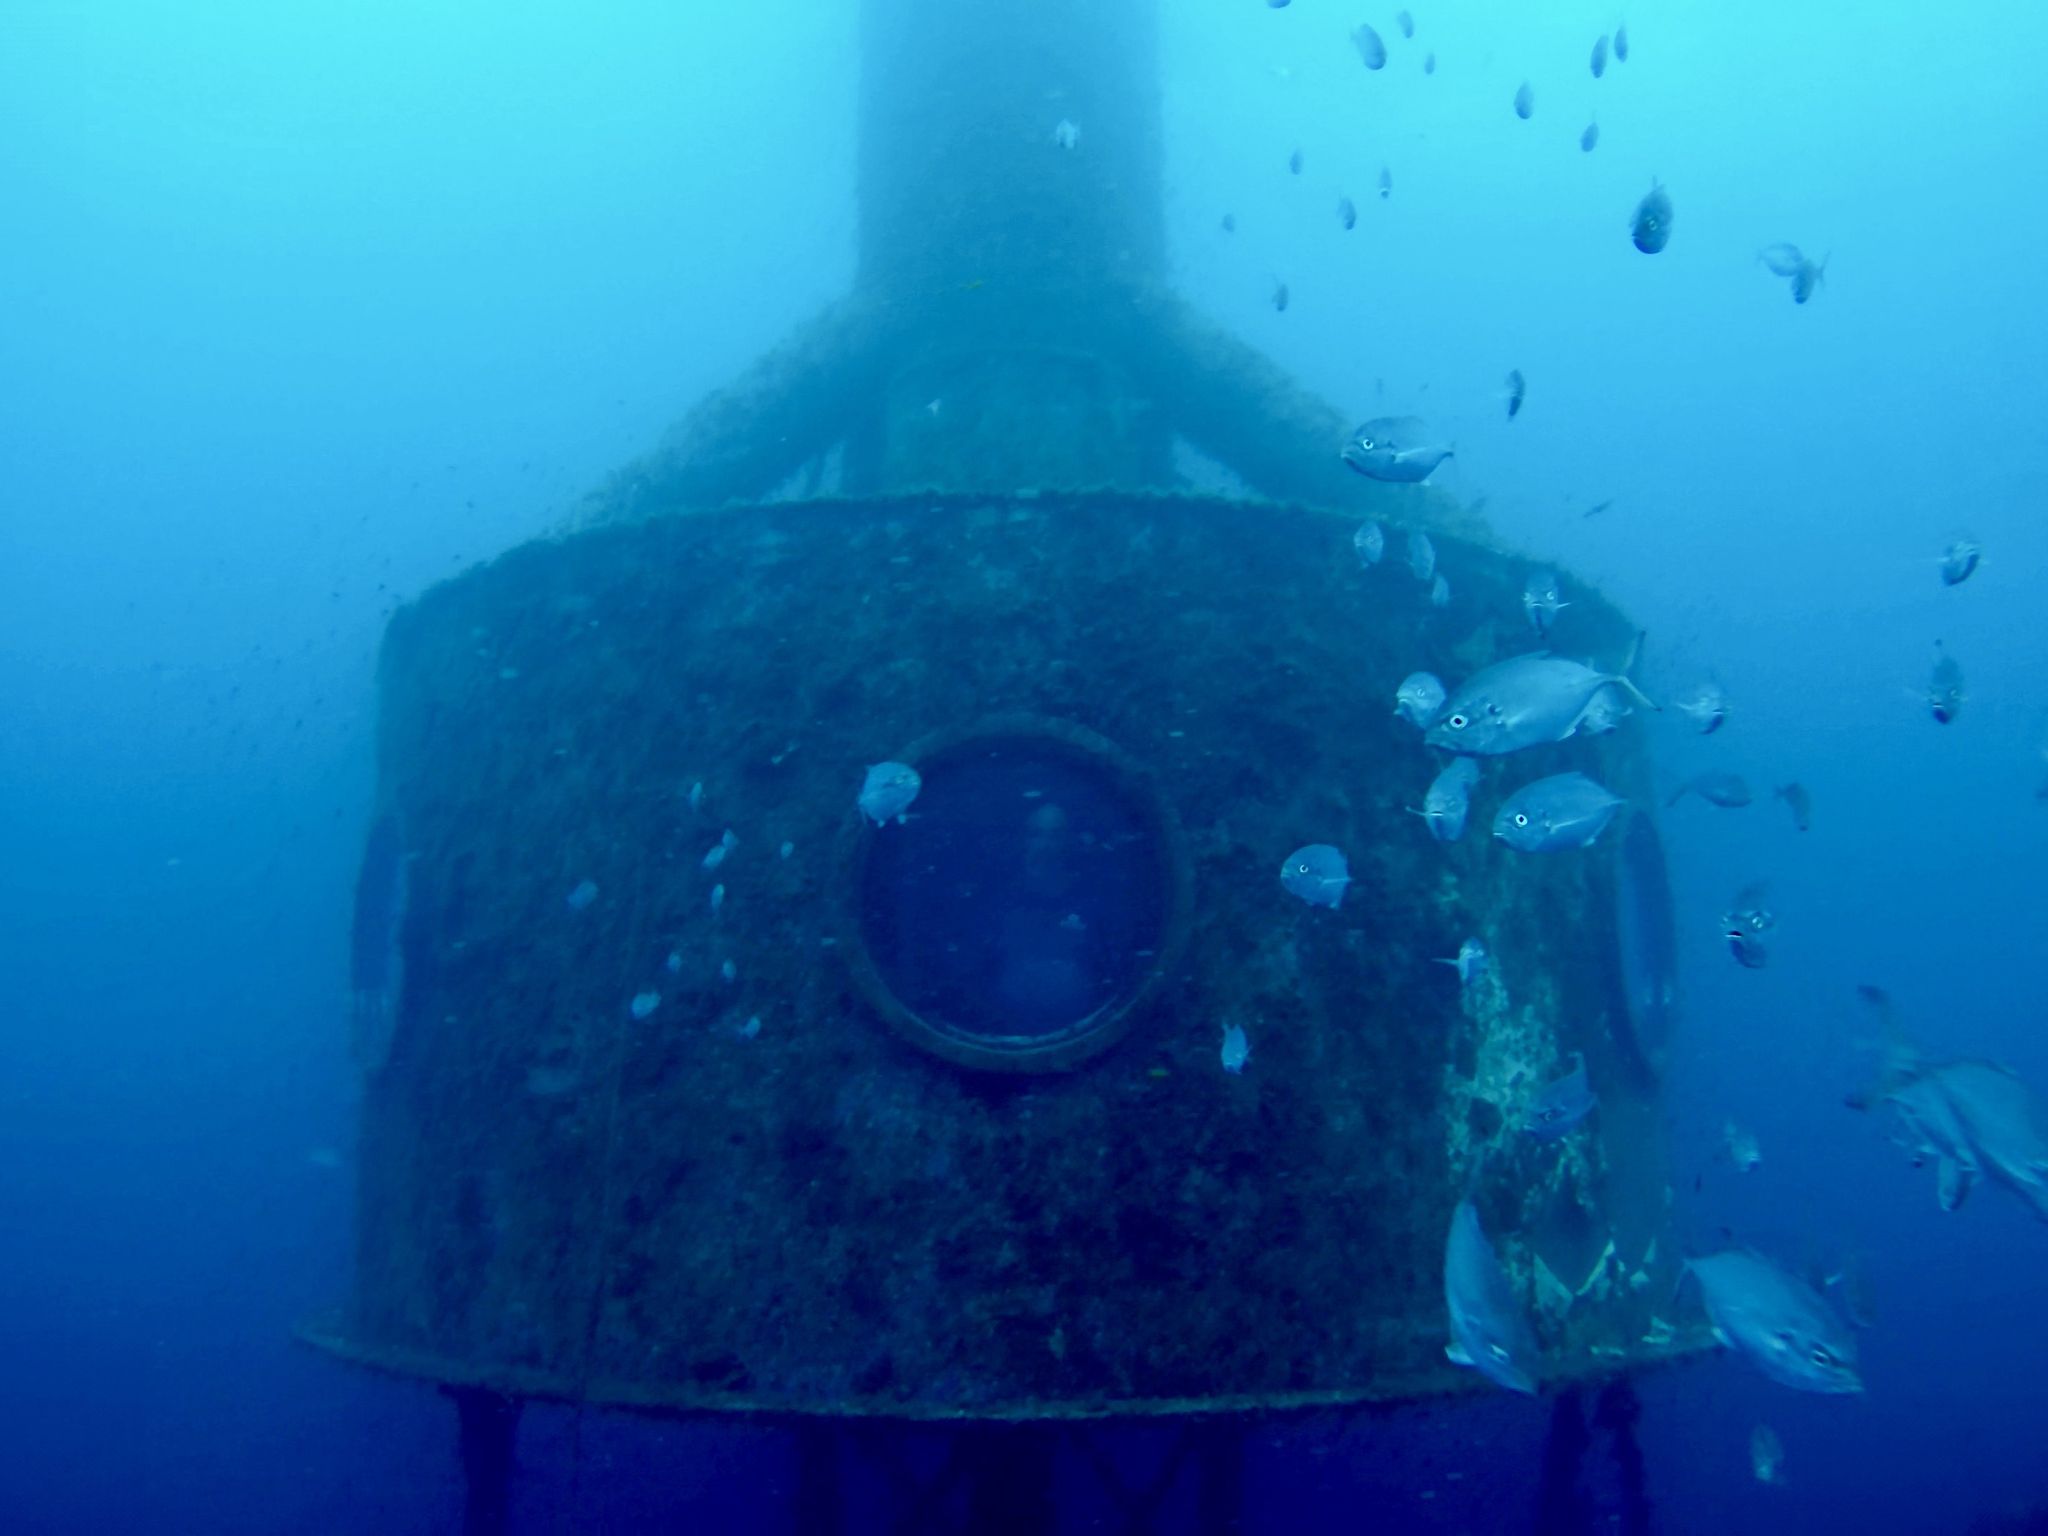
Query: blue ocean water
(308,307)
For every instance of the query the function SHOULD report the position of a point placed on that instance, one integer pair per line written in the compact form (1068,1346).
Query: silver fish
(1650,225)
(1566,810)
(1419,699)
(1972,1116)
(1395,449)
(1448,800)
(1541,601)
(1440,592)
(1405,22)
(1799,802)
(1959,562)
(1784,259)
(1525,101)
(1728,790)
(1599,59)
(1515,390)
(1590,139)
(1370,541)
(1560,1105)
(1347,213)
(1743,1149)
(1489,1330)
(1237,1048)
(1421,555)
(1748,911)
(1746,949)
(886,792)
(1369,46)
(1945,687)
(1706,707)
(1621,44)
(1524,701)
(1766,1455)
(1806,281)
(1317,874)
(1609,708)
(1387,180)
(1469,962)
(1780,1322)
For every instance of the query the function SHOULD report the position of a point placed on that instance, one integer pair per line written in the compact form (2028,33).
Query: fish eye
(1521,819)
(1457,722)
(1301,869)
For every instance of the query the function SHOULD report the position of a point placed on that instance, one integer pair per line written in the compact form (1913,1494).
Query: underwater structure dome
(690,1086)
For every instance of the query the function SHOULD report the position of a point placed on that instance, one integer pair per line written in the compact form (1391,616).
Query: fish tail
(1899,1059)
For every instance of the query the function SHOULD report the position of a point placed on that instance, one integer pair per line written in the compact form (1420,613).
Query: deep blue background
(302,307)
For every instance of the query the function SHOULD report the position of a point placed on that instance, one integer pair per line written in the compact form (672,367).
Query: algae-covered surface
(747,1192)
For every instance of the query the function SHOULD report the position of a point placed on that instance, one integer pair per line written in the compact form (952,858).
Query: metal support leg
(486,1423)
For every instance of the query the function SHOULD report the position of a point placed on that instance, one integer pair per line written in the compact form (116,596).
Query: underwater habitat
(1023,767)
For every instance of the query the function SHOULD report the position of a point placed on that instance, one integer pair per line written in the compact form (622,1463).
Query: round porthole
(1019,914)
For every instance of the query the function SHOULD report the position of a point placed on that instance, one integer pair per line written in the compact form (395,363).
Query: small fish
(1609,708)
(1650,225)
(1541,601)
(1599,59)
(1706,707)
(1421,555)
(1469,962)
(584,894)
(1429,63)
(1524,701)
(1780,1322)
(1565,810)
(1525,101)
(1799,802)
(645,1003)
(1806,281)
(1728,790)
(1748,909)
(1317,874)
(1515,390)
(1237,1048)
(697,795)
(1230,223)
(886,792)
(1405,22)
(1959,562)
(1448,800)
(1386,183)
(1784,259)
(1347,213)
(1394,448)
(1741,1144)
(1419,699)
(1766,1455)
(1489,1330)
(1370,541)
(1621,44)
(1440,592)
(1945,687)
(1369,46)
(1294,162)
(717,898)
(1067,134)
(1280,297)
(1278,5)
(715,856)
(1590,139)
(1596,509)
(1559,1106)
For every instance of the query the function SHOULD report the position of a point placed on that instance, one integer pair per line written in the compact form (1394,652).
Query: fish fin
(1679,794)
(1952,1183)
(1455,1353)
